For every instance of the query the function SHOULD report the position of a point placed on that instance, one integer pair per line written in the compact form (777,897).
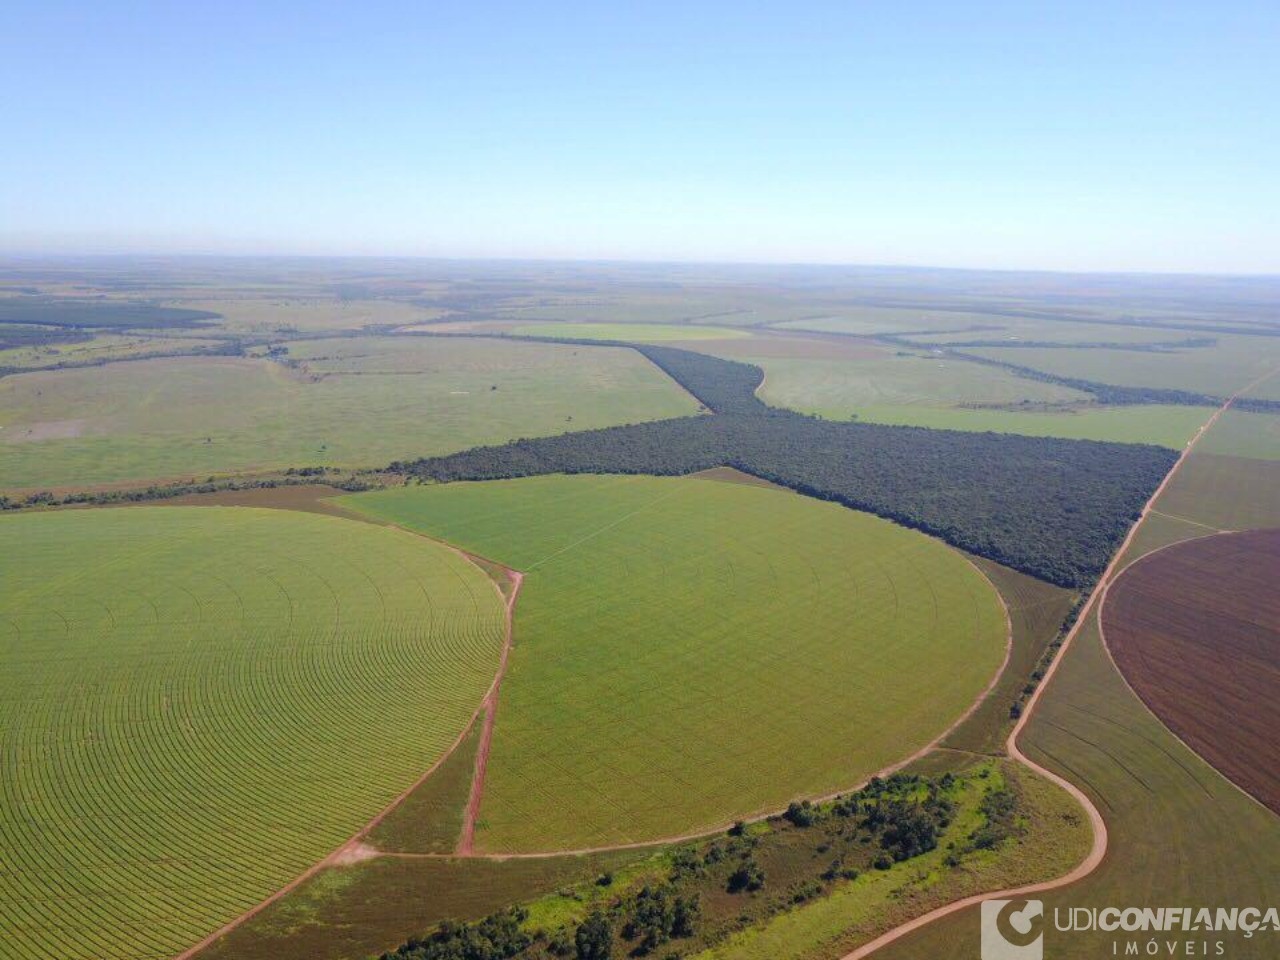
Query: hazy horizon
(1077,139)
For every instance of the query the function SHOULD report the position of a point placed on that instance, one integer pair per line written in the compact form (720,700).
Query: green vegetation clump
(703,894)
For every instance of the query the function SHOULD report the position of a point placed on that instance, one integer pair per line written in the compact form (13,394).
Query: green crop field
(834,388)
(1163,425)
(644,332)
(896,320)
(1239,433)
(381,400)
(1225,493)
(1220,370)
(945,394)
(277,314)
(197,704)
(689,651)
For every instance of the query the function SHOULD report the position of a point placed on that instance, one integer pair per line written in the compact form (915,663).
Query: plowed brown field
(1195,629)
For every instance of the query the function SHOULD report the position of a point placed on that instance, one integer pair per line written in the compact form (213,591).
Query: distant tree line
(1104,393)
(294,476)
(1163,346)
(99,314)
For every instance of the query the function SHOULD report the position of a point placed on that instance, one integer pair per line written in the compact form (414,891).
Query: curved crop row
(198,704)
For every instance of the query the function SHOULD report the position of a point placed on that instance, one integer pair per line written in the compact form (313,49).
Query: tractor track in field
(355,849)
(1092,608)
(887,771)
(466,842)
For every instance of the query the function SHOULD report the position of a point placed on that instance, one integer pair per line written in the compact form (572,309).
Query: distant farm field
(350,403)
(1163,425)
(197,704)
(689,651)
(1221,369)
(1225,493)
(834,388)
(645,332)
(947,394)
(1195,629)
(281,314)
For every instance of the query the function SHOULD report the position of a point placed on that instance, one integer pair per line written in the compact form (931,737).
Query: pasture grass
(98,349)
(353,403)
(835,388)
(642,332)
(197,704)
(1163,425)
(285,314)
(1219,370)
(689,652)
(1240,433)
(1228,493)
(1036,612)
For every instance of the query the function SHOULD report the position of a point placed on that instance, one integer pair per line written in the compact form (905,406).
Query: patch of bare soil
(355,852)
(1195,629)
(44,430)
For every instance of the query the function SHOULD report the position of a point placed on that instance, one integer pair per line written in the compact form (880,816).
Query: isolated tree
(594,938)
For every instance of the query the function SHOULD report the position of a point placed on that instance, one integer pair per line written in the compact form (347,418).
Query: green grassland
(196,704)
(386,400)
(99,349)
(305,314)
(1036,612)
(1219,370)
(689,651)
(946,394)
(1227,493)
(1245,434)
(1165,426)
(643,332)
(895,320)
(1013,329)
(834,388)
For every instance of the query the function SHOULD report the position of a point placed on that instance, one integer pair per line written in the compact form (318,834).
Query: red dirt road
(1195,629)
(466,843)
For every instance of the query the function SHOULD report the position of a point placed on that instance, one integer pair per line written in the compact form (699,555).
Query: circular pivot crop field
(197,704)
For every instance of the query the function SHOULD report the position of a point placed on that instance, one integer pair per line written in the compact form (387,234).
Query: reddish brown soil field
(1195,629)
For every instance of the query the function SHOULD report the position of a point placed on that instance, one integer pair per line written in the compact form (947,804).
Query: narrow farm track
(466,843)
(477,782)
(354,849)
(1092,608)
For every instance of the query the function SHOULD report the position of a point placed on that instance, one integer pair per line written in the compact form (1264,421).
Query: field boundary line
(353,848)
(1174,516)
(765,814)
(1102,634)
(466,842)
(1092,607)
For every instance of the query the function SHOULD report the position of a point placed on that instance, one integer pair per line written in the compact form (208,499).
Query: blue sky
(1074,136)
